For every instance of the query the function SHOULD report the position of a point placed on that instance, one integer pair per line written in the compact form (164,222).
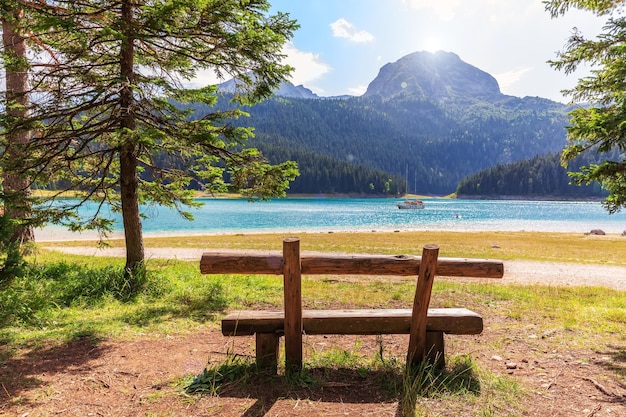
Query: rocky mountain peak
(436,76)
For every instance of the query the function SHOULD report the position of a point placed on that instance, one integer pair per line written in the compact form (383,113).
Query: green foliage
(107,117)
(59,286)
(597,127)
(234,370)
(541,176)
(325,174)
(11,260)
(343,145)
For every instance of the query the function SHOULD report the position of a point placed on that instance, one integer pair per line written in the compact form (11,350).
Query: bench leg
(267,350)
(435,349)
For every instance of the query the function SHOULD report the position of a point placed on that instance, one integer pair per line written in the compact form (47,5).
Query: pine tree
(598,127)
(112,82)
(14,136)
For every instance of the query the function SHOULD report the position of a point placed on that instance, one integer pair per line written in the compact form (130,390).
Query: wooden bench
(426,326)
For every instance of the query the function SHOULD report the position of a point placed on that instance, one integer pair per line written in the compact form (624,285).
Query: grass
(462,386)
(65,297)
(535,246)
(177,296)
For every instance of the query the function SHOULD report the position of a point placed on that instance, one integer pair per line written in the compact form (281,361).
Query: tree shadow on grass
(22,370)
(201,308)
(616,364)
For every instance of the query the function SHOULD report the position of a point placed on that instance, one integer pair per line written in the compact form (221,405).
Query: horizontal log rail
(336,264)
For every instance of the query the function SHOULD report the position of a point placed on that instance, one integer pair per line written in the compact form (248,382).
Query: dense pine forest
(539,177)
(384,142)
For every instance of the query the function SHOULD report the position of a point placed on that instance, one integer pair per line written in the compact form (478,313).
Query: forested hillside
(541,177)
(430,118)
(436,145)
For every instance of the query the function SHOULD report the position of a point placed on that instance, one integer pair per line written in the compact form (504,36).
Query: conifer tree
(111,81)
(15,103)
(599,126)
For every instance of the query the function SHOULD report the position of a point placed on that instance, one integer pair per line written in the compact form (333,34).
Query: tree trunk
(129,181)
(16,184)
(130,209)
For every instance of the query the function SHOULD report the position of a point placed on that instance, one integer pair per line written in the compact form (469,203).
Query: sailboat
(411,203)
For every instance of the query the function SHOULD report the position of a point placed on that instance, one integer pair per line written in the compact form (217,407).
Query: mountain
(431,119)
(439,77)
(286,89)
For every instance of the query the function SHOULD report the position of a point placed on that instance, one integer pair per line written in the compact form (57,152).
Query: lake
(227,216)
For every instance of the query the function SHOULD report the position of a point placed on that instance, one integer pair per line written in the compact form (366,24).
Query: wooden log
(365,321)
(336,264)
(267,345)
(427,271)
(241,263)
(435,349)
(293,304)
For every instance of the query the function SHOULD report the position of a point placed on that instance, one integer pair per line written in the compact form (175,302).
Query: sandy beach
(515,272)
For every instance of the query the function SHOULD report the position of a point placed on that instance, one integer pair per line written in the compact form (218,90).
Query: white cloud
(357,91)
(344,29)
(204,78)
(307,65)
(509,78)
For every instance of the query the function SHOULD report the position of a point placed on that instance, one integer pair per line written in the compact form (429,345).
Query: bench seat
(268,326)
(367,321)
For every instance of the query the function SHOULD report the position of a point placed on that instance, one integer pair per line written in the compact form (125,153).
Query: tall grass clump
(46,286)
(234,370)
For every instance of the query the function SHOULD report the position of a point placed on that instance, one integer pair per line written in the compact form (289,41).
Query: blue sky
(342,44)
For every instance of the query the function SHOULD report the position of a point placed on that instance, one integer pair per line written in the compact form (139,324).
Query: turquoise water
(218,216)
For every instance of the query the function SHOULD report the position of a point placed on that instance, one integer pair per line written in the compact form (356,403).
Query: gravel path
(518,272)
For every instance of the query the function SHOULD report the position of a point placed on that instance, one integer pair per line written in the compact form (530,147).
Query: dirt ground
(144,377)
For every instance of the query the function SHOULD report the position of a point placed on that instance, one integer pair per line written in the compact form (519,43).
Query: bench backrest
(292,265)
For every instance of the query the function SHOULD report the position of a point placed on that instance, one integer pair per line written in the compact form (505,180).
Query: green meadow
(67,297)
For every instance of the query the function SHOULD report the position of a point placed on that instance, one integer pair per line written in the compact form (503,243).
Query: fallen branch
(599,387)
(594,411)
(7,392)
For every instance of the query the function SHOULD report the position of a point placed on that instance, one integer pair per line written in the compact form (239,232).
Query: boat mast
(406,180)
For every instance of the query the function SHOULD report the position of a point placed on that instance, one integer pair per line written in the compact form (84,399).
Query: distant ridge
(286,89)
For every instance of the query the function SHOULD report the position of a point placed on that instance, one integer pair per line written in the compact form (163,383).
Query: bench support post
(435,349)
(267,351)
(427,270)
(292,275)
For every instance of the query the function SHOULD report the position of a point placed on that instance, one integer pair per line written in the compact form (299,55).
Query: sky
(342,44)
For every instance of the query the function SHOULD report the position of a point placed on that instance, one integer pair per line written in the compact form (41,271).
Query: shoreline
(52,234)
(517,272)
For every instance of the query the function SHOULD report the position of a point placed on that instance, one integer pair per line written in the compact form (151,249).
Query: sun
(432,44)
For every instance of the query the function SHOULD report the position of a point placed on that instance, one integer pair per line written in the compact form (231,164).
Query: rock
(597,232)
(497,358)
(624,233)
(511,365)
(548,333)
